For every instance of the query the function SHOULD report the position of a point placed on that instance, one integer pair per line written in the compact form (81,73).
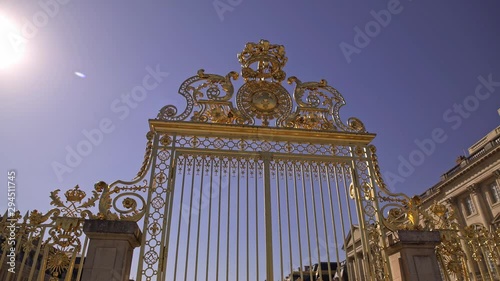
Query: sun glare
(11,44)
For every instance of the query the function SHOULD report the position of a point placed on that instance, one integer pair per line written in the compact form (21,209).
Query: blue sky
(403,82)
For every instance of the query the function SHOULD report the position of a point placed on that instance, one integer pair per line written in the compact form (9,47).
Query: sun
(11,44)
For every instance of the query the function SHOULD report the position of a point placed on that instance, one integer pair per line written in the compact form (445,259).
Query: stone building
(472,190)
(472,187)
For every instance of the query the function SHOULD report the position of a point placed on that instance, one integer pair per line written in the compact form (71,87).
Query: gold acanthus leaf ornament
(105,201)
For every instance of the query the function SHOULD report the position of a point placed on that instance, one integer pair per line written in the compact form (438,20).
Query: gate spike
(26,217)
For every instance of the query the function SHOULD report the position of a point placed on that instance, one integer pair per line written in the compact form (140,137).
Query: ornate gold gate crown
(214,136)
(262,96)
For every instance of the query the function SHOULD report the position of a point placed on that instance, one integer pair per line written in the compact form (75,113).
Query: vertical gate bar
(298,220)
(361,218)
(492,263)
(320,180)
(363,263)
(327,176)
(199,216)
(69,272)
(307,218)
(486,261)
(495,270)
(209,214)
(285,164)
(256,218)
(238,221)
(495,264)
(279,219)
(228,224)
(154,153)
(355,258)
(22,227)
(218,217)
(496,248)
(469,259)
(248,219)
(169,199)
(195,160)
(313,198)
(466,271)
(43,264)
(180,218)
(268,216)
(37,253)
(481,269)
(82,258)
(25,256)
(2,257)
(379,215)
(2,223)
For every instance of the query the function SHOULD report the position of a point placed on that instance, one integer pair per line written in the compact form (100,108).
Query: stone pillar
(110,251)
(481,205)
(413,257)
(360,267)
(497,177)
(453,204)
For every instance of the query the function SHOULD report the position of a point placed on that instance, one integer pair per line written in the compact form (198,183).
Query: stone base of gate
(110,251)
(413,257)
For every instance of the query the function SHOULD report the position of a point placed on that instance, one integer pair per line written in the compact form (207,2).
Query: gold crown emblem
(75,194)
(270,60)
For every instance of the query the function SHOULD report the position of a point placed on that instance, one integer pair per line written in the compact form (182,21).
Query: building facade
(471,190)
(472,187)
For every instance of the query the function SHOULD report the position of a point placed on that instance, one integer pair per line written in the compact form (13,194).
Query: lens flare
(12,43)
(79,74)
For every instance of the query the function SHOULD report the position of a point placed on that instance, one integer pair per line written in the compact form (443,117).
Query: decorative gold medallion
(264,100)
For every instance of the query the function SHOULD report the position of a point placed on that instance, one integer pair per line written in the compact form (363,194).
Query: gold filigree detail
(401,211)
(129,203)
(147,156)
(166,140)
(359,151)
(58,263)
(216,113)
(262,96)
(74,196)
(132,212)
(270,60)
(64,226)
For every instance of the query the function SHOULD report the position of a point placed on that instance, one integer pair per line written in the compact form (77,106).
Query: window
(496,222)
(469,206)
(495,193)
